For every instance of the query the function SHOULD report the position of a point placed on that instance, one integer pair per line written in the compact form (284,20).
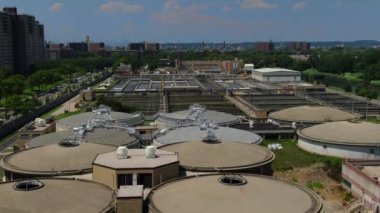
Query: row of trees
(18,92)
(340,60)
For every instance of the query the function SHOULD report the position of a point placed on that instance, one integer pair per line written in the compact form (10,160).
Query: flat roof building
(36,128)
(361,179)
(63,159)
(135,169)
(233,193)
(56,195)
(344,139)
(276,75)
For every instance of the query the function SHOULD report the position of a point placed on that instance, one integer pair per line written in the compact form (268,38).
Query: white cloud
(120,6)
(56,7)
(299,5)
(257,4)
(175,13)
(171,4)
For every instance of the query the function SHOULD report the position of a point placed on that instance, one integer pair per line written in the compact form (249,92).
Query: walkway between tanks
(242,106)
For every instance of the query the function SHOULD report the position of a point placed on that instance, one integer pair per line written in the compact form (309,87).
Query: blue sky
(201,20)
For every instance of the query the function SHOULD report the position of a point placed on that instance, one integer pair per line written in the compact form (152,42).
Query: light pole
(366,109)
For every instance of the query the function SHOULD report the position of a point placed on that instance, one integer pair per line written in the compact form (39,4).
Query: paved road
(69,106)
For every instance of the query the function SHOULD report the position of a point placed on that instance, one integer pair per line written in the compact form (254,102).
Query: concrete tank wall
(341,151)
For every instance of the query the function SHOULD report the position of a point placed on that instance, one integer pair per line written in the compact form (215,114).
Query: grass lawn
(291,156)
(352,76)
(373,120)
(311,71)
(375,83)
(68,114)
(47,114)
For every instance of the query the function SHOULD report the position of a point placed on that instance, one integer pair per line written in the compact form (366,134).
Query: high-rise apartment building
(6,41)
(25,40)
(264,46)
(144,46)
(300,46)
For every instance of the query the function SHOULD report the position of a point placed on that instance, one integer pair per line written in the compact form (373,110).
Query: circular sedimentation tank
(183,118)
(55,195)
(345,139)
(113,136)
(194,133)
(73,121)
(63,159)
(311,115)
(201,156)
(232,193)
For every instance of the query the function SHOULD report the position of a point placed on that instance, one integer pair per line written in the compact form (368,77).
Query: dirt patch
(316,178)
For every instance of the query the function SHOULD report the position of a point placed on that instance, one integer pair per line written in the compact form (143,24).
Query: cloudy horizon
(212,21)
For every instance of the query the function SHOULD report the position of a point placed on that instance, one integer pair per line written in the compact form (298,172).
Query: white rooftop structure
(276,75)
(249,67)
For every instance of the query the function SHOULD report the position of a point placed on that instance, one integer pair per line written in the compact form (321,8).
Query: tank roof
(206,193)
(54,159)
(344,132)
(79,119)
(224,156)
(194,133)
(57,195)
(136,159)
(312,114)
(115,137)
(220,118)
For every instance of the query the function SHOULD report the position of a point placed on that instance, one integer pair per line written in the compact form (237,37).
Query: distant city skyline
(122,21)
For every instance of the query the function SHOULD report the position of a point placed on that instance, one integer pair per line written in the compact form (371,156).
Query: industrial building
(64,159)
(192,116)
(216,156)
(111,136)
(194,133)
(310,115)
(233,193)
(361,179)
(276,75)
(344,139)
(56,195)
(131,167)
(228,66)
(104,114)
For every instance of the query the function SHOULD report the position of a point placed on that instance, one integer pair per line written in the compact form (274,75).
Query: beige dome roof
(57,195)
(344,132)
(259,194)
(312,114)
(55,159)
(201,156)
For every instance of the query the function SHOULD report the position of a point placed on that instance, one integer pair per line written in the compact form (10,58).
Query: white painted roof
(269,70)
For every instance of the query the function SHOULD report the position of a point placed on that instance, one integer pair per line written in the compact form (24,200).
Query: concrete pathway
(68,105)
